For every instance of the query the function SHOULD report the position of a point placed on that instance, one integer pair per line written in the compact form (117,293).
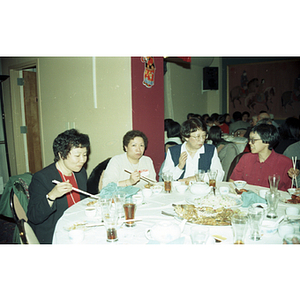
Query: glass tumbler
(272,199)
(255,217)
(274,180)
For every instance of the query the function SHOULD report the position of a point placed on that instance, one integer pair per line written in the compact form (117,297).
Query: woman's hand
(135,177)
(60,189)
(182,160)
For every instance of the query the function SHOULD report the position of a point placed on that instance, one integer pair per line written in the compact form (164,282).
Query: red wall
(148,108)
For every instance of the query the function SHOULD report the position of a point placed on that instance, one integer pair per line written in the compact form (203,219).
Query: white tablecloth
(150,213)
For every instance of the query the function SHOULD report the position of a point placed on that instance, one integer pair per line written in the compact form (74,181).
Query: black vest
(204,162)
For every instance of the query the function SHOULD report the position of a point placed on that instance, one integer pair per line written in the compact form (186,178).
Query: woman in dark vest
(184,161)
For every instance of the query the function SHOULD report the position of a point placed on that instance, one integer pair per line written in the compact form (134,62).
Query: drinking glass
(200,176)
(110,218)
(199,235)
(272,200)
(239,227)
(105,205)
(256,216)
(167,177)
(129,209)
(212,175)
(274,180)
(119,199)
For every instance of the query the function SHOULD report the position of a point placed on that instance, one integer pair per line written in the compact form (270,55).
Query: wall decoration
(149,71)
(270,86)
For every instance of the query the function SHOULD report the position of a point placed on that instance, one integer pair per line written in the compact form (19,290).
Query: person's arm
(170,167)
(217,166)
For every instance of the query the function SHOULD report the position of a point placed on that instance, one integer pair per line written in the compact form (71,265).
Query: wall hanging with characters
(149,71)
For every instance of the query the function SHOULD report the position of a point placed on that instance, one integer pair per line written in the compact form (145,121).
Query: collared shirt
(192,164)
(250,169)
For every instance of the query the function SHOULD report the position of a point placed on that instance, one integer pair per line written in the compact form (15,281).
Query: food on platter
(215,201)
(77,225)
(205,215)
(90,203)
(294,199)
(241,191)
(148,185)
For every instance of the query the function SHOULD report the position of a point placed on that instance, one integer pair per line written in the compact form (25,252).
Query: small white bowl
(292,211)
(181,188)
(285,229)
(292,191)
(240,184)
(224,190)
(156,189)
(176,183)
(269,227)
(90,212)
(147,192)
(76,236)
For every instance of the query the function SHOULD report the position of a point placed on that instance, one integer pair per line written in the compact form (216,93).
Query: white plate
(212,201)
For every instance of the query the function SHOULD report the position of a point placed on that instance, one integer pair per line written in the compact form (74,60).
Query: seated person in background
(48,200)
(264,115)
(209,123)
(184,161)
(221,123)
(227,119)
(255,167)
(238,123)
(227,151)
(289,133)
(245,116)
(134,144)
(173,133)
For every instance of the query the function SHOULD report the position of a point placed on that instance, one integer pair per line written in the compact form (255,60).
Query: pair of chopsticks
(149,180)
(294,159)
(78,190)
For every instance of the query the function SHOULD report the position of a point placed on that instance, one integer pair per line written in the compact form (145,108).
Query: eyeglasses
(252,141)
(199,137)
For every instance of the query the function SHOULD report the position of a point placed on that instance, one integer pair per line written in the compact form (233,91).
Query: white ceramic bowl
(147,192)
(292,191)
(269,227)
(156,189)
(90,212)
(224,190)
(284,229)
(138,198)
(181,188)
(76,236)
(240,184)
(292,211)
(176,183)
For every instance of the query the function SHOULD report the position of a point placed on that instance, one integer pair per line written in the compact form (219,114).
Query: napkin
(250,198)
(112,187)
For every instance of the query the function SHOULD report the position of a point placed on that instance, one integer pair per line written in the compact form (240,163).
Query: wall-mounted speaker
(210,78)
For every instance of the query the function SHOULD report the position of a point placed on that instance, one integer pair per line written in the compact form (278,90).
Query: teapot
(165,231)
(200,188)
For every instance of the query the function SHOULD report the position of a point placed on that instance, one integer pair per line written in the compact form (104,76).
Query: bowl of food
(292,191)
(239,184)
(269,227)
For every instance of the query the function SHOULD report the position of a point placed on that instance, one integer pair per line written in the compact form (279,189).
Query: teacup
(156,189)
(224,190)
(90,212)
(147,192)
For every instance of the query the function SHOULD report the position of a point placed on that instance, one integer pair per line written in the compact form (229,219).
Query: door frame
(18,153)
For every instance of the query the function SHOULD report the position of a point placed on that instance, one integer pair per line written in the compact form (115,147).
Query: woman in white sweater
(134,144)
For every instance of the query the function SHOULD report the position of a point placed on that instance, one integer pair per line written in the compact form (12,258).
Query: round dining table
(150,213)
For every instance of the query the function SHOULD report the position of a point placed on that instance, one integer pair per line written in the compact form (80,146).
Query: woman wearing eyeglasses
(255,167)
(184,161)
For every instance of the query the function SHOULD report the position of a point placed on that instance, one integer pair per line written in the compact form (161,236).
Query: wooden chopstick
(143,177)
(78,190)
(294,159)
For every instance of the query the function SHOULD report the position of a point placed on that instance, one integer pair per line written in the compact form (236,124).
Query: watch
(49,198)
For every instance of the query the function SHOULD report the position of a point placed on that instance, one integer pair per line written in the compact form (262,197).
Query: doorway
(26,120)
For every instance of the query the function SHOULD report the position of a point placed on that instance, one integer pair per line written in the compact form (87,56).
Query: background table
(150,213)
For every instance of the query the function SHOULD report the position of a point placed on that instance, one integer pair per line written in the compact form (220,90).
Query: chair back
(233,164)
(17,209)
(240,132)
(27,235)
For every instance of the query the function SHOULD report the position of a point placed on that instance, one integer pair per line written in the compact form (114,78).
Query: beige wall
(183,90)
(65,87)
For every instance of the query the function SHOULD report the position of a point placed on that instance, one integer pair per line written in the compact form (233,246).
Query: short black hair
(237,115)
(130,135)
(68,139)
(268,134)
(190,126)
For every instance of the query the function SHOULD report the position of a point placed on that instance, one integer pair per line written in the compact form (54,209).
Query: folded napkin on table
(250,198)
(112,187)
